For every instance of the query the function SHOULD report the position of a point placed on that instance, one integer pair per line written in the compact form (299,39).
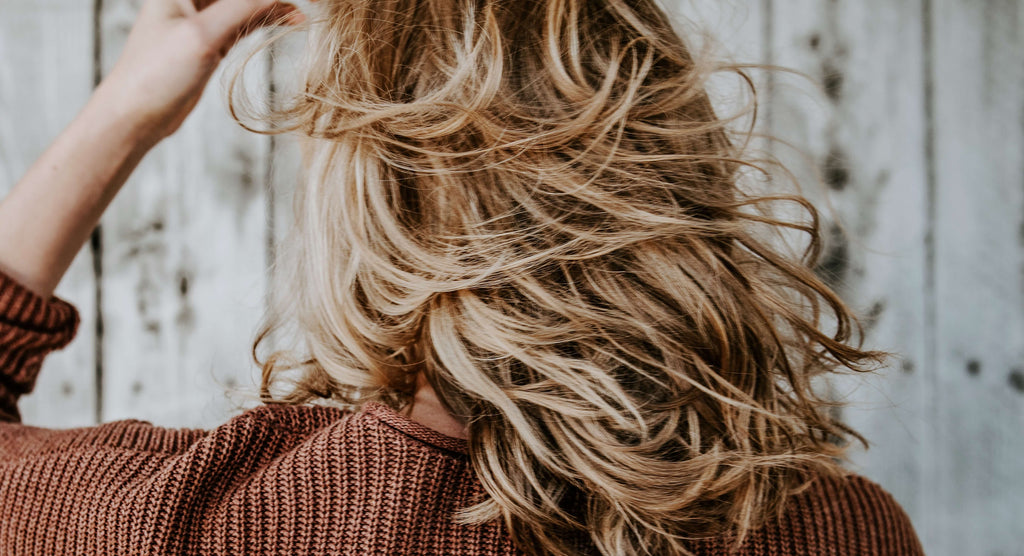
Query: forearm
(53,209)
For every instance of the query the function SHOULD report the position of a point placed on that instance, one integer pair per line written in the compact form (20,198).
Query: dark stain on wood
(833,78)
(974,367)
(246,177)
(835,263)
(837,168)
(239,181)
(146,241)
(148,247)
(146,297)
(832,51)
(907,366)
(815,41)
(1016,379)
(186,317)
(183,284)
(145,247)
(882,179)
(96,239)
(141,289)
(873,314)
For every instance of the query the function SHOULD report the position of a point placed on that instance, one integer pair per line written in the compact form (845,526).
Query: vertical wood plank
(739,28)
(186,241)
(285,171)
(978,79)
(285,66)
(863,135)
(875,161)
(184,259)
(740,34)
(46,76)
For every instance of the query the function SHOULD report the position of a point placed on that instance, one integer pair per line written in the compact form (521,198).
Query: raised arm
(172,51)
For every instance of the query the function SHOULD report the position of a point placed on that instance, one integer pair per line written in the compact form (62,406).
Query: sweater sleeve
(30,328)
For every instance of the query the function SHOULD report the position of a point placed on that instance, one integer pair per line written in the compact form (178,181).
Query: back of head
(533,203)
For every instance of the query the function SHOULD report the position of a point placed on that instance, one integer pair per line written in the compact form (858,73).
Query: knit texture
(299,480)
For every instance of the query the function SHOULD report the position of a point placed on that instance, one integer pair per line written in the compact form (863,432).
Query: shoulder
(244,483)
(265,430)
(270,428)
(853,514)
(373,433)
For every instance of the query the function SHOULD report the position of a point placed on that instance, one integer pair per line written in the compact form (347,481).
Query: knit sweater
(299,480)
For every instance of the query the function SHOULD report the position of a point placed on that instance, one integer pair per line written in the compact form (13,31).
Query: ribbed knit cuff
(31,326)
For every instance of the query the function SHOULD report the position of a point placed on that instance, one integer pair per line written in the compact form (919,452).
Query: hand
(173,50)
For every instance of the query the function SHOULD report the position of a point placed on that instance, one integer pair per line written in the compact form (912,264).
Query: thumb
(229,20)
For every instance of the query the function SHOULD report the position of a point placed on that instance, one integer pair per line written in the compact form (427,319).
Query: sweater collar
(417,430)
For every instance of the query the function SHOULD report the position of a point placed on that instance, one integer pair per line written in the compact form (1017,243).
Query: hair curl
(534,203)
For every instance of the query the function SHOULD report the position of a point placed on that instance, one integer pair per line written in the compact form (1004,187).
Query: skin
(427,410)
(172,51)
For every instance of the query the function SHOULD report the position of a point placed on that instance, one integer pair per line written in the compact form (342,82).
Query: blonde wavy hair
(534,203)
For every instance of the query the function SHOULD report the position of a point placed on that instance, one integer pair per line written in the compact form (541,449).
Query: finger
(228,20)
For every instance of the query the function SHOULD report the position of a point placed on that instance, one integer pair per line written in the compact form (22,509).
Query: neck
(427,410)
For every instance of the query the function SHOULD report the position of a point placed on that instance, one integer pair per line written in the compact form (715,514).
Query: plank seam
(96,239)
(768,36)
(930,331)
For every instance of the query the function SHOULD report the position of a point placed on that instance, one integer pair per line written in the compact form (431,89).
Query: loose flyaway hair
(534,203)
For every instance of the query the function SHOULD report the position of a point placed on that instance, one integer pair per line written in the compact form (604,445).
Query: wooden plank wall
(976,146)
(46,75)
(184,253)
(916,131)
(863,134)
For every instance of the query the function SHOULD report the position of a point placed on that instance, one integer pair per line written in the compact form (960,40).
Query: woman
(524,271)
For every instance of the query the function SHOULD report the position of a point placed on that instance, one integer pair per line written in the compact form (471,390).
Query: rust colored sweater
(297,480)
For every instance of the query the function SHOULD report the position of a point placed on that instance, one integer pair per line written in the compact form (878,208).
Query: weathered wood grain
(739,31)
(285,63)
(183,263)
(46,76)
(917,134)
(975,478)
(863,134)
